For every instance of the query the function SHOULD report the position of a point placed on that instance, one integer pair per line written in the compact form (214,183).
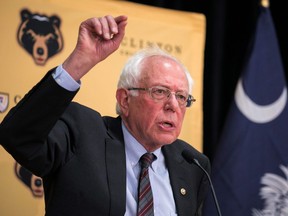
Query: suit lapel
(116,167)
(179,177)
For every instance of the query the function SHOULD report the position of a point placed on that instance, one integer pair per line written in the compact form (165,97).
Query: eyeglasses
(160,93)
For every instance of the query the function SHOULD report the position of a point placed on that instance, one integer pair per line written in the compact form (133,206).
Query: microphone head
(188,156)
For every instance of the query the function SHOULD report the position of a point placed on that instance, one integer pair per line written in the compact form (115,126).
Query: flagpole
(265,3)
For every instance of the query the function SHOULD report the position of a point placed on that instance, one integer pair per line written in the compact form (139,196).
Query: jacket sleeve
(25,129)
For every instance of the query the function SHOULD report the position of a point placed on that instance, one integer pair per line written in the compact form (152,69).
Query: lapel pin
(183,191)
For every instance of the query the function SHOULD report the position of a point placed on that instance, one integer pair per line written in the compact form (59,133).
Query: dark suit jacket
(81,157)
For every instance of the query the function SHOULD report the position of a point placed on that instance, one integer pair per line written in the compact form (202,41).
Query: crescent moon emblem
(255,112)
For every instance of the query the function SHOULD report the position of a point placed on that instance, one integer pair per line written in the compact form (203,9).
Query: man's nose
(171,102)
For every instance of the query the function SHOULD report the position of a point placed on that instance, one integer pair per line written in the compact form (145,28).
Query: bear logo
(34,183)
(40,35)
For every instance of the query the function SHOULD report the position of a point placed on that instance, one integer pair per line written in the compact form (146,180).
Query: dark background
(230,27)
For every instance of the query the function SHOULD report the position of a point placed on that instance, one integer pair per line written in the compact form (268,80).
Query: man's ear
(122,96)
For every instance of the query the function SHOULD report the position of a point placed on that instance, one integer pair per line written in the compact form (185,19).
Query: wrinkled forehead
(162,68)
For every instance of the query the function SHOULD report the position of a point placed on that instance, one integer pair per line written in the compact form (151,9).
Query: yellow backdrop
(180,33)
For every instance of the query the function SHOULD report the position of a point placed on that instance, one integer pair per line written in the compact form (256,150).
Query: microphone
(190,158)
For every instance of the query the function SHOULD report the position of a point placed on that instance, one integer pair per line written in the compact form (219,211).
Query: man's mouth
(167,124)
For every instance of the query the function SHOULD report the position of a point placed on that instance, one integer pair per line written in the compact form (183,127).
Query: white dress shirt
(164,204)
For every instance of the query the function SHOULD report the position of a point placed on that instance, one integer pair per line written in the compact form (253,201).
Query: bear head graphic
(40,35)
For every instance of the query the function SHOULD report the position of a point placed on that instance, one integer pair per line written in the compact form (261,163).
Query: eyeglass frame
(190,99)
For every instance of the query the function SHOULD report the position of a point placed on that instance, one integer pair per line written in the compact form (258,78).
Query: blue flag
(250,167)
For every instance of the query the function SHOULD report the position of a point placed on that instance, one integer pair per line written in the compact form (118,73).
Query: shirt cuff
(63,78)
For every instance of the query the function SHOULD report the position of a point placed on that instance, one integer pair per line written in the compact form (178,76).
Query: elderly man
(93,165)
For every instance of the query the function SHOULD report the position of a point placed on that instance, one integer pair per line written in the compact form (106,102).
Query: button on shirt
(164,204)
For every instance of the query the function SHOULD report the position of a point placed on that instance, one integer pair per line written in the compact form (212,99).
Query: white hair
(131,73)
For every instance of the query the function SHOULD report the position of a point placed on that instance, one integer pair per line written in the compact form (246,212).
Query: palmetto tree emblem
(275,194)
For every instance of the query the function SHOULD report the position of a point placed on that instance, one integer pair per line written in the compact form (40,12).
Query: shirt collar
(134,150)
